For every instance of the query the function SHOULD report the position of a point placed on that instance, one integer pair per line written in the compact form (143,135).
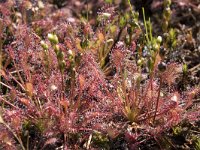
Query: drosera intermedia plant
(146,101)
(77,86)
(48,110)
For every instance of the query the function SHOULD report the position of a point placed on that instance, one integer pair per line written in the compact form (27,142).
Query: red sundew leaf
(190,96)
(98,126)
(156,4)
(81,81)
(171,73)
(27,40)
(16,123)
(113,133)
(50,141)
(131,137)
(118,56)
(25,101)
(175,116)
(29,88)
(64,103)
(4,137)
(101,37)
(51,110)
(6,77)
(193,115)
(176,98)
(194,92)
(133,46)
(4,10)
(10,51)
(68,44)
(87,29)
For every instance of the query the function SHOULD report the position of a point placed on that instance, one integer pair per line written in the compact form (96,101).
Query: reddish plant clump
(71,88)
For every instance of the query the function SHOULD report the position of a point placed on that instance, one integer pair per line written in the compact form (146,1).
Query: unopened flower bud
(56,48)
(159,39)
(156,46)
(106,15)
(110,40)
(167,12)
(53,87)
(62,65)
(44,45)
(60,55)
(165,25)
(70,52)
(140,61)
(167,2)
(52,38)
(40,4)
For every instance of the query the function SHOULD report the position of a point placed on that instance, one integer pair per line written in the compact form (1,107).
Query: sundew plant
(87,83)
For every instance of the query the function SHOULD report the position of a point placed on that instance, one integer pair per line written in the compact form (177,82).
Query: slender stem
(129,2)
(1,83)
(7,102)
(65,140)
(150,29)
(20,77)
(124,85)
(17,82)
(145,24)
(62,94)
(157,101)
(15,135)
(149,84)
(1,57)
